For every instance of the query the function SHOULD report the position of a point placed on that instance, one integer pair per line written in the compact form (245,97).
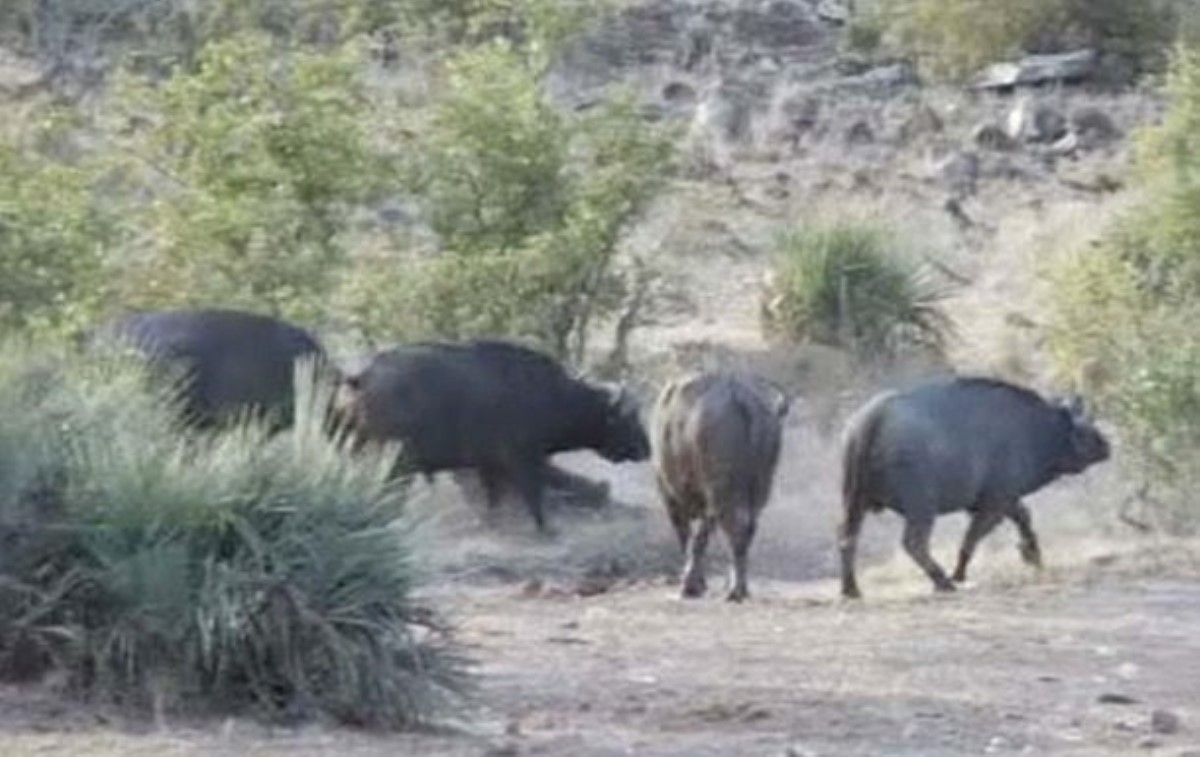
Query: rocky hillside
(782,126)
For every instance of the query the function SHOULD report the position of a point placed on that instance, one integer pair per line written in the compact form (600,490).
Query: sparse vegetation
(956,38)
(843,285)
(1126,311)
(162,569)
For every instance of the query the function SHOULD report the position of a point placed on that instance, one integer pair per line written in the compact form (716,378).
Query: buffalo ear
(783,402)
(621,399)
(1077,407)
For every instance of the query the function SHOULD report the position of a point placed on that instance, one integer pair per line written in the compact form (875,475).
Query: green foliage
(163,568)
(528,204)
(53,239)
(1125,312)
(255,161)
(842,285)
(956,38)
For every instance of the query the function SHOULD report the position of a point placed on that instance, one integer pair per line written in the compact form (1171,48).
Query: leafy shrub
(956,38)
(1125,312)
(841,285)
(528,204)
(53,240)
(165,569)
(255,161)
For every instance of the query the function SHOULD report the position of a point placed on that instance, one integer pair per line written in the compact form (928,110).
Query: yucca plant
(842,286)
(232,570)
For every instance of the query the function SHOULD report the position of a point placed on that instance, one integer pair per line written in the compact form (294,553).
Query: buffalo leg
(739,527)
(678,513)
(694,582)
(983,521)
(917,530)
(848,532)
(528,479)
(492,486)
(1031,553)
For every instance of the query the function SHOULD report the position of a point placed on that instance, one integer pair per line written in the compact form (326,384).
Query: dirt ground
(1074,661)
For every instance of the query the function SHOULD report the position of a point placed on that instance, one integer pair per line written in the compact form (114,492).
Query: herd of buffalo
(973,444)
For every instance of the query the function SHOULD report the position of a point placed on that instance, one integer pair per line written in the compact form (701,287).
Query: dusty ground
(1006,667)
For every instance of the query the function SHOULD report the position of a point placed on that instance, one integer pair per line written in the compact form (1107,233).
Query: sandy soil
(1074,661)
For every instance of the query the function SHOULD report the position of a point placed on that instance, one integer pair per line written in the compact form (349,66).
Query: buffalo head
(624,437)
(1087,445)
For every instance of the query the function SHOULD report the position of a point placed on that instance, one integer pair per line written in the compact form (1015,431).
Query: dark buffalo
(495,407)
(232,362)
(716,445)
(971,444)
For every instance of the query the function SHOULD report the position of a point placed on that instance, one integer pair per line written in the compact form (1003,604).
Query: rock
(1115,698)
(1037,69)
(729,110)
(992,137)
(859,133)
(679,94)
(799,114)
(775,24)
(1148,742)
(1031,121)
(1068,145)
(834,11)
(887,77)
(923,120)
(1094,127)
(502,750)
(960,172)
(1165,722)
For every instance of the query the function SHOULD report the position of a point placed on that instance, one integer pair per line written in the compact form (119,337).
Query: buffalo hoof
(852,595)
(737,596)
(547,533)
(959,577)
(693,589)
(1031,555)
(944,587)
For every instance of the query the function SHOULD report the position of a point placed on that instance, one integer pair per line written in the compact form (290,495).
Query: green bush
(1124,313)
(528,204)
(255,162)
(842,285)
(53,240)
(164,569)
(956,38)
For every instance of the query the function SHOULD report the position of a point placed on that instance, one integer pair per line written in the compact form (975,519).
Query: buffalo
(963,443)
(716,441)
(496,407)
(232,362)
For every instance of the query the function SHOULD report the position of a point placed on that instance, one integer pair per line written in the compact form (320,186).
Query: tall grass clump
(1125,313)
(164,569)
(841,285)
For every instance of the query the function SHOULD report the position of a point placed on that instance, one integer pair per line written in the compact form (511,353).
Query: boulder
(1031,121)
(960,172)
(1093,127)
(989,136)
(1038,69)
